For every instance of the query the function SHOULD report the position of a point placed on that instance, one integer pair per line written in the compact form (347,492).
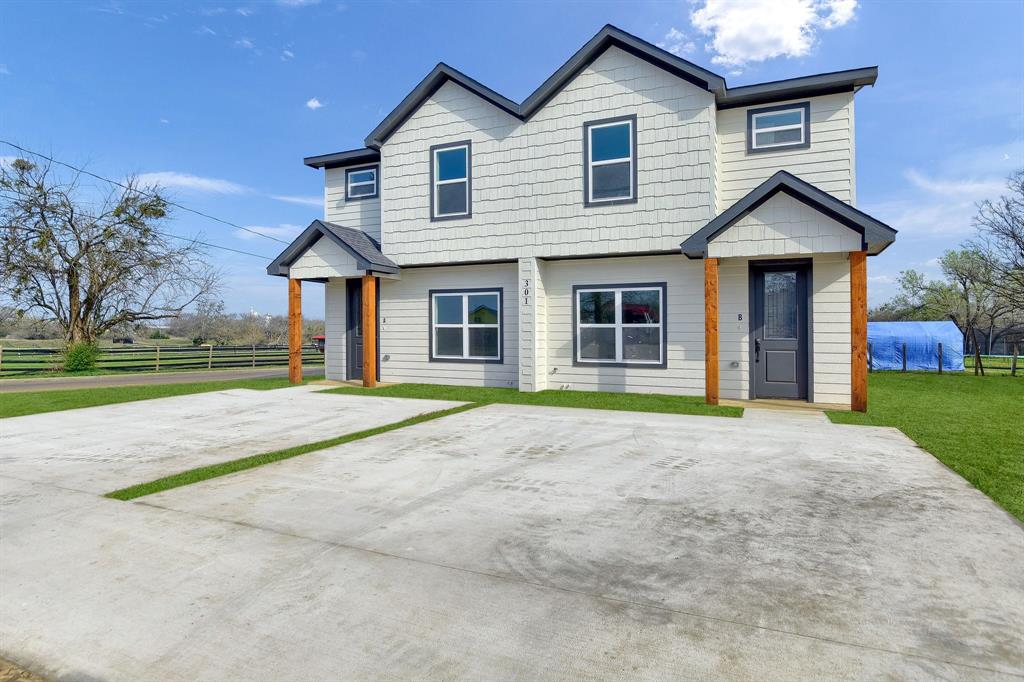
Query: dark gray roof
(349,158)
(875,235)
(357,243)
(839,81)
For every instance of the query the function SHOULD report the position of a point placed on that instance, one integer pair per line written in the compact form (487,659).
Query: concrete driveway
(525,542)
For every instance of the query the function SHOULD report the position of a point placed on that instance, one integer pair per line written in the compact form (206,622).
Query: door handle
(757,350)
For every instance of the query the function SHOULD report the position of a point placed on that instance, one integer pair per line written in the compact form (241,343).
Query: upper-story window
(361,183)
(783,127)
(609,159)
(451,180)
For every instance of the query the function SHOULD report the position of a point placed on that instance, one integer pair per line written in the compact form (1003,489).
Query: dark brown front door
(779,309)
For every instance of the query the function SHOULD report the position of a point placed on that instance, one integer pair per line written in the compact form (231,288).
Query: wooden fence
(27,361)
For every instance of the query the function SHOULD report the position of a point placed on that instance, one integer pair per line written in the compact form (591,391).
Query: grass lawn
(637,402)
(975,425)
(20,404)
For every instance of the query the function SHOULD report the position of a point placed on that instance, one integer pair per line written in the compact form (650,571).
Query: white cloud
(282,231)
(244,43)
(165,121)
(300,200)
(194,183)
(4,71)
(206,31)
(6,161)
(286,55)
(676,42)
(313,103)
(971,188)
(297,3)
(744,31)
(358,56)
(243,11)
(212,11)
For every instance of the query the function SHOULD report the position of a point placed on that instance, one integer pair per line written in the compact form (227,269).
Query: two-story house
(634,225)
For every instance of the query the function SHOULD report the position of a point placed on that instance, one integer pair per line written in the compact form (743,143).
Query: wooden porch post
(369,331)
(859,331)
(295,331)
(711,331)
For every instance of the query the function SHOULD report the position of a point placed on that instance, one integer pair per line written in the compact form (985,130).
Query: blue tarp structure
(922,339)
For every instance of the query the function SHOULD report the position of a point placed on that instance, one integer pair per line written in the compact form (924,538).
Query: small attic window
(361,183)
(778,128)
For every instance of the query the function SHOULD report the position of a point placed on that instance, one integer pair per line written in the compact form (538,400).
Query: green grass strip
(594,400)
(224,468)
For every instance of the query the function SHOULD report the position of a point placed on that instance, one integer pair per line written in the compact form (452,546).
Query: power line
(134,189)
(189,239)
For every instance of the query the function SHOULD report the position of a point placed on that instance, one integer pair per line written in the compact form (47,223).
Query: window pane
(641,343)
(483,343)
(597,307)
(362,176)
(611,181)
(451,199)
(610,142)
(361,190)
(597,343)
(448,309)
(449,341)
(451,164)
(780,136)
(783,118)
(483,309)
(780,305)
(641,307)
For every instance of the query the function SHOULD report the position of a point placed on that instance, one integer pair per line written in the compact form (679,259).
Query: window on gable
(466,325)
(361,183)
(451,180)
(609,161)
(782,127)
(620,324)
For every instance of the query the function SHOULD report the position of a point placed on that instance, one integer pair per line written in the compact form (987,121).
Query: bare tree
(1000,226)
(89,267)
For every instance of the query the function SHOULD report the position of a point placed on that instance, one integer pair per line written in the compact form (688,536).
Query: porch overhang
(875,235)
(362,251)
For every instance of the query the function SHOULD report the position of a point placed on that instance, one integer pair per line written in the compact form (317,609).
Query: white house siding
(784,226)
(830,323)
(832,341)
(334,330)
(324,259)
(527,177)
(361,215)
(829,163)
(405,326)
(532,304)
(684,315)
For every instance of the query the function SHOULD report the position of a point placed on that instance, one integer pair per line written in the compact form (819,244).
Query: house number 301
(526,291)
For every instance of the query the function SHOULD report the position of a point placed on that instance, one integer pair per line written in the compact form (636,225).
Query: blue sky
(220,101)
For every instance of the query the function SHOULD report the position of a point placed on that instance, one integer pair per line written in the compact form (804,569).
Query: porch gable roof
(361,246)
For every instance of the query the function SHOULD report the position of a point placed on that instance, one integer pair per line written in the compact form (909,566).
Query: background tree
(92,267)
(1000,226)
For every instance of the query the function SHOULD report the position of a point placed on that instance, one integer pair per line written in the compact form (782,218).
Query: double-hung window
(620,324)
(451,181)
(609,160)
(361,183)
(465,325)
(776,128)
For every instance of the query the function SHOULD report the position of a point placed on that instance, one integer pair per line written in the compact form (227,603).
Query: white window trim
(619,325)
(438,183)
(801,126)
(349,184)
(591,163)
(465,325)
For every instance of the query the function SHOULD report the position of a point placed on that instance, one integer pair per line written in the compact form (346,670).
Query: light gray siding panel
(405,326)
(334,330)
(322,260)
(684,313)
(734,328)
(829,163)
(528,177)
(361,215)
(832,341)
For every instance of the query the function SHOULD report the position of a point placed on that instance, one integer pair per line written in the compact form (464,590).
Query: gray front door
(779,311)
(354,328)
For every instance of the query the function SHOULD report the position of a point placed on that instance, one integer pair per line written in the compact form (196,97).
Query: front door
(779,310)
(354,328)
